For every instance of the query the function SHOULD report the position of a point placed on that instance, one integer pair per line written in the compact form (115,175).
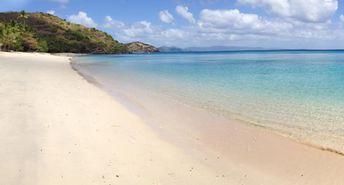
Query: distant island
(43,32)
(140,47)
(207,49)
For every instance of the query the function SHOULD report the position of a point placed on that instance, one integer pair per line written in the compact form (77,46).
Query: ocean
(299,93)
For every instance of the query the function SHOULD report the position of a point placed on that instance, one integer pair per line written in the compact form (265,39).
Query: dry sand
(56,128)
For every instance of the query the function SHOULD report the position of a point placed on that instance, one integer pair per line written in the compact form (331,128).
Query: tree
(11,37)
(23,15)
(28,41)
(1,35)
(42,46)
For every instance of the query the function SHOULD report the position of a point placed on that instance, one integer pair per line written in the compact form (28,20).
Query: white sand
(56,128)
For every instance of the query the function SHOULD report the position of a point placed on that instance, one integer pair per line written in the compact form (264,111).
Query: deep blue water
(299,93)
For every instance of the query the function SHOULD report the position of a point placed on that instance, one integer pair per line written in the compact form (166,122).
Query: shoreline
(78,134)
(59,129)
(236,119)
(306,151)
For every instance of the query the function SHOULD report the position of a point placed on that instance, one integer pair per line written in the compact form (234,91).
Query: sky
(272,24)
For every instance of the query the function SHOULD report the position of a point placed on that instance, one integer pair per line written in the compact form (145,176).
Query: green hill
(139,47)
(20,31)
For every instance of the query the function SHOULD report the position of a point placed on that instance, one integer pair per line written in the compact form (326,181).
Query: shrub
(42,46)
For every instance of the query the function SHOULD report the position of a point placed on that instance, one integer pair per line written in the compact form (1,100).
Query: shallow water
(297,93)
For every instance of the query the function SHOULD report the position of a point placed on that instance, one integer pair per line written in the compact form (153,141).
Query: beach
(59,128)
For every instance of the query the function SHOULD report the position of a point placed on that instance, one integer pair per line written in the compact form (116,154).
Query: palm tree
(23,15)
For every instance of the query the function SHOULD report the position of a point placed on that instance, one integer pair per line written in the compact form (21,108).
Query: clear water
(297,93)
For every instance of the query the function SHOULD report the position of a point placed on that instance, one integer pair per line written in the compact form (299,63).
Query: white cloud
(225,19)
(83,19)
(165,16)
(145,31)
(110,23)
(233,21)
(230,26)
(108,18)
(300,10)
(174,34)
(138,29)
(129,31)
(184,12)
(341,18)
(52,12)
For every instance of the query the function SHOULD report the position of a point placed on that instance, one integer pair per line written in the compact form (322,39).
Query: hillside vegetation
(21,31)
(139,47)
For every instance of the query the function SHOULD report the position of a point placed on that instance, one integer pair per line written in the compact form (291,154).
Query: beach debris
(191,169)
(170,174)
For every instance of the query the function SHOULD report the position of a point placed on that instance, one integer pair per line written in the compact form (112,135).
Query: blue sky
(184,23)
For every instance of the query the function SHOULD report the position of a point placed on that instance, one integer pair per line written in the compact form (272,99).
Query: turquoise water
(297,93)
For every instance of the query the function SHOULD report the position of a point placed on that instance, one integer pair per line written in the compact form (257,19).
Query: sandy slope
(56,128)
